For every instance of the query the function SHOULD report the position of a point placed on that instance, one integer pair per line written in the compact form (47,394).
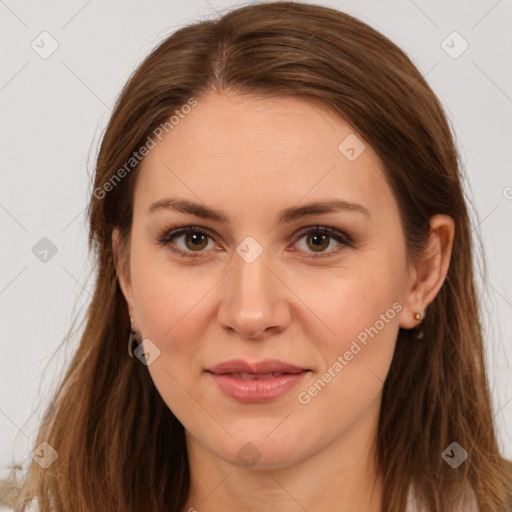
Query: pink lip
(258,368)
(256,390)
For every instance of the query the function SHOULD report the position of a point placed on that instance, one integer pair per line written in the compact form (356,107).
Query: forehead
(233,150)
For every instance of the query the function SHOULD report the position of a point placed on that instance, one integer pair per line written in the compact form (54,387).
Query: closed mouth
(254,376)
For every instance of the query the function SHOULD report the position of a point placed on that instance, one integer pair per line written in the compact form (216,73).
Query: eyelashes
(166,239)
(320,235)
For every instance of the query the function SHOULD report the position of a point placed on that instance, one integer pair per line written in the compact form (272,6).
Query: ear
(123,270)
(427,277)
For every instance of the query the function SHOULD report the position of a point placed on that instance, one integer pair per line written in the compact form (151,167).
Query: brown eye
(196,241)
(319,242)
(319,239)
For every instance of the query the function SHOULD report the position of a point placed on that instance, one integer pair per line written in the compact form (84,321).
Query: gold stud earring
(418,333)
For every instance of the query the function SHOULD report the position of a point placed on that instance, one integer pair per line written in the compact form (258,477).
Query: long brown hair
(119,446)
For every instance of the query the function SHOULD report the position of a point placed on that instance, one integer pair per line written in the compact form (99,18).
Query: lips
(252,376)
(256,382)
(259,369)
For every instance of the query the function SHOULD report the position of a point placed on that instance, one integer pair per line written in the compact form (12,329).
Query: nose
(255,301)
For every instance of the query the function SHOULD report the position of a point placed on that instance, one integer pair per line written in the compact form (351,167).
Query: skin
(253,157)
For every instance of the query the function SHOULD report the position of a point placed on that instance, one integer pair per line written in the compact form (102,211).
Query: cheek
(361,317)
(169,299)
(355,357)
(172,315)
(171,305)
(361,307)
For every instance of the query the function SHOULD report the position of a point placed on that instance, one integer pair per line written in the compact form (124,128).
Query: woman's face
(265,283)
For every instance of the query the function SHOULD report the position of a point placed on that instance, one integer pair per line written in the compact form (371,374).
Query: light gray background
(54,110)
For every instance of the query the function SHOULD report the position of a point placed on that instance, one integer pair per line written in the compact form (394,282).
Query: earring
(133,339)
(418,333)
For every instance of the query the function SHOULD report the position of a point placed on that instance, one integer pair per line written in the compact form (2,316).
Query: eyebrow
(287,215)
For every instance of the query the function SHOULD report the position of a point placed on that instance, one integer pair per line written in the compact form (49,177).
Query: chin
(259,452)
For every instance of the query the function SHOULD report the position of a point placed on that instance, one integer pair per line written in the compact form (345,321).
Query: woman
(283,239)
